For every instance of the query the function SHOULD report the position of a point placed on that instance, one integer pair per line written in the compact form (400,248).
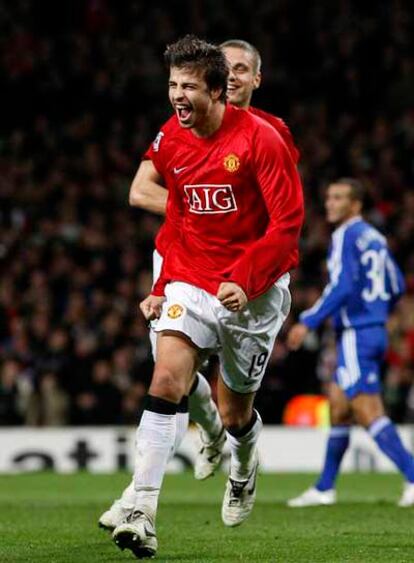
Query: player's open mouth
(184,113)
(231,88)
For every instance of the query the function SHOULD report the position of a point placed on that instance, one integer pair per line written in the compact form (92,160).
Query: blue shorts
(360,353)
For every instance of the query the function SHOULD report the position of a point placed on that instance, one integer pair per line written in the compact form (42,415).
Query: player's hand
(296,336)
(232,296)
(151,307)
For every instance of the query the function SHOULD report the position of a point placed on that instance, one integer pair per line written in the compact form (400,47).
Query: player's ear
(257,80)
(216,93)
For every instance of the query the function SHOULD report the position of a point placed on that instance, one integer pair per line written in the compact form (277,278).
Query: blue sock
(385,434)
(336,447)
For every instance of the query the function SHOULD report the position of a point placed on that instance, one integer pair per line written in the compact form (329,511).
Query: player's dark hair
(357,191)
(195,53)
(248,47)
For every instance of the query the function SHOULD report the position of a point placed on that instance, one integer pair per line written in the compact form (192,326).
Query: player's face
(339,204)
(243,78)
(190,96)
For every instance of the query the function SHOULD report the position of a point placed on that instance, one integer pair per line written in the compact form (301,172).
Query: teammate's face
(243,78)
(190,97)
(339,204)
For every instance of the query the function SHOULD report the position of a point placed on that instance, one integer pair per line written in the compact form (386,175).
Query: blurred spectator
(100,401)
(14,393)
(48,405)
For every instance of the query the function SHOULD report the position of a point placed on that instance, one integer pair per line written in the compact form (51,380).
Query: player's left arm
(270,256)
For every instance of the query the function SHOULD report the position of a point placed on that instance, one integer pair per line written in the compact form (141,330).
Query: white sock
(154,444)
(203,409)
(128,496)
(242,451)
(181,428)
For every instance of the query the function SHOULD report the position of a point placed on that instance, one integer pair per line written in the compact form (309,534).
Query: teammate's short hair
(192,52)
(241,44)
(357,190)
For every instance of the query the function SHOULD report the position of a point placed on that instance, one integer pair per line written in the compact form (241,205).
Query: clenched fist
(151,307)
(232,296)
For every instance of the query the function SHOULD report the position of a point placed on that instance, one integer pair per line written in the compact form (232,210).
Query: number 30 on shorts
(257,365)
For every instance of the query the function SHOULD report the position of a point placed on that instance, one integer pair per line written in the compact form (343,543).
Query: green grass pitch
(53,518)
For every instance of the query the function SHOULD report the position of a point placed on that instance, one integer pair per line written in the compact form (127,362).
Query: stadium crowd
(84,92)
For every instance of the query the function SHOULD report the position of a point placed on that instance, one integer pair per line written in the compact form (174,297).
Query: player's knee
(233,420)
(166,385)
(367,409)
(340,416)
(365,416)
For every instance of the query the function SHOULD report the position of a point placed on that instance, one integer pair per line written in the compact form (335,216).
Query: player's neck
(212,122)
(244,105)
(349,219)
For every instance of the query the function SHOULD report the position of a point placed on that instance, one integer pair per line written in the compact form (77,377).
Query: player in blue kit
(365,283)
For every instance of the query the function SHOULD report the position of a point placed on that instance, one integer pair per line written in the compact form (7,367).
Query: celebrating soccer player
(244,78)
(365,283)
(235,209)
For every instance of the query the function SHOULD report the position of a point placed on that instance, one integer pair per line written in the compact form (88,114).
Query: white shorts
(243,340)
(156,270)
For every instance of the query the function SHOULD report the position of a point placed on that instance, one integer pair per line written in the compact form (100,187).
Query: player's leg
(247,339)
(369,412)
(323,493)
(364,352)
(201,408)
(176,363)
(204,412)
(124,505)
(184,334)
(338,440)
(243,425)
(182,417)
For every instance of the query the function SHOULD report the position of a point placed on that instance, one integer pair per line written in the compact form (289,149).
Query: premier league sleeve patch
(157,141)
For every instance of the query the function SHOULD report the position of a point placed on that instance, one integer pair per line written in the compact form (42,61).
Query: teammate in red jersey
(236,209)
(245,76)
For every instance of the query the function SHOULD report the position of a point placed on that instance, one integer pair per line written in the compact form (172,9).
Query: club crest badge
(231,162)
(175,311)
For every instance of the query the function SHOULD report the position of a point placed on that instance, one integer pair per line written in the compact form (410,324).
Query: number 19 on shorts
(257,365)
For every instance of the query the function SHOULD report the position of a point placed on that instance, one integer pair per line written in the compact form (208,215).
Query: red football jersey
(163,237)
(235,204)
(281,128)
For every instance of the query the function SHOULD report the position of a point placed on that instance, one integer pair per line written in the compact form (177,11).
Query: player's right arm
(147,191)
(342,273)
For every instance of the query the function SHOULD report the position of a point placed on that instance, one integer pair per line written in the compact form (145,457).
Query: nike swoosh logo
(178,170)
